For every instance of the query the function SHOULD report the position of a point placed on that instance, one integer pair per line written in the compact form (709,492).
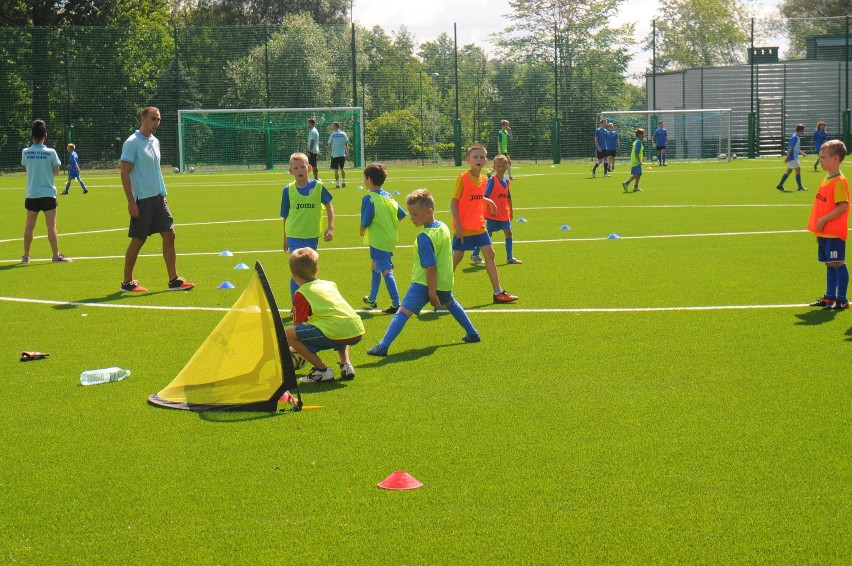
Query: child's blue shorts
(637,170)
(382,259)
(830,250)
(417,297)
(494,225)
(471,242)
(298,243)
(315,341)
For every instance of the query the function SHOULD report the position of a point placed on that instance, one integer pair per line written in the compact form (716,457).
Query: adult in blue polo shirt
(142,180)
(600,148)
(338,149)
(661,136)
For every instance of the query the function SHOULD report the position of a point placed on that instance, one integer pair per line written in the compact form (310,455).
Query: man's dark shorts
(338,162)
(601,154)
(154,218)
(611,152)
(312,159)
(40,204)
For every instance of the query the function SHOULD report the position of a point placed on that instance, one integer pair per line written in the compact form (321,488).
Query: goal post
(693,134)
(261,138)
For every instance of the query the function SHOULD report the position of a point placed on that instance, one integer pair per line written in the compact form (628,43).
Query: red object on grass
(30,356)
(400,480)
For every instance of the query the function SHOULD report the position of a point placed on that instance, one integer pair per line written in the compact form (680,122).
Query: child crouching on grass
(322,319)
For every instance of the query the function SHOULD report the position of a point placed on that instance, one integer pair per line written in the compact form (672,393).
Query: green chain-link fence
(426,93)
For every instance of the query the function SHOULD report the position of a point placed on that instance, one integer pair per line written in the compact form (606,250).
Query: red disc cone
(400,480)
(287,398)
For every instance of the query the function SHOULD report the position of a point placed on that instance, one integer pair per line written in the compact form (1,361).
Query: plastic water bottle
(95,376)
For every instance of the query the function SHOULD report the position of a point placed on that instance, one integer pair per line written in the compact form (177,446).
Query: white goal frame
(360,110)
(724,125)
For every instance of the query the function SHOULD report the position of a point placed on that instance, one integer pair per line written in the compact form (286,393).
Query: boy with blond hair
(497,190)
(830,222)
(431,276)
(468,209)
(322,319)
(380,216)
(301,208)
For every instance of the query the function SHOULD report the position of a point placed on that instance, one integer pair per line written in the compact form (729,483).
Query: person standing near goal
(660,137)
(338,149)
(600,148)
(313,146)
(612,145)
(791,158)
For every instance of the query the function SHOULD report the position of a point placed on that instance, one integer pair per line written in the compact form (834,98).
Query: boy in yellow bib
(322,319)
(301,208)
(431,274)
(380,216)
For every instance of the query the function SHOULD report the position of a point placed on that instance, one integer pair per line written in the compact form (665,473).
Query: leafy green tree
(393,135)
(257,12)
(302,77)
(700,33)
(808,18)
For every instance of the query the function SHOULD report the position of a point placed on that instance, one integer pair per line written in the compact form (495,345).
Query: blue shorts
(830,250)
(382,259)
(637,170)
(494,225)
(72,176)
(471,242)
(417,297)
(297,243)
(315,341)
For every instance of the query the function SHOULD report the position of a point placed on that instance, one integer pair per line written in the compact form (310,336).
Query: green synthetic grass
(581,435)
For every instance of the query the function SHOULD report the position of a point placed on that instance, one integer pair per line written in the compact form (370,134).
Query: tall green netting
(691,134)
(261,138)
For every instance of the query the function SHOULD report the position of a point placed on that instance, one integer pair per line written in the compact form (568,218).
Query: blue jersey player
(791,158)
(73,169)
(660,138)
(612,145)
(600,148)
(818,139)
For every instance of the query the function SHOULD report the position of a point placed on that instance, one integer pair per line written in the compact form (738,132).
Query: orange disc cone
(287,398)
(400,480)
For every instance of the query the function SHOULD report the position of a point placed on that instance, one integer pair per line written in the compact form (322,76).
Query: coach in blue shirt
(142,180)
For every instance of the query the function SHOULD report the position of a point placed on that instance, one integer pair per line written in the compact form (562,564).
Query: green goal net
(261,138)
(692,135)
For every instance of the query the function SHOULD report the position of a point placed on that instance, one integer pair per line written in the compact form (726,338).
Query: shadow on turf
(814,317)
(408,355)
(111,298)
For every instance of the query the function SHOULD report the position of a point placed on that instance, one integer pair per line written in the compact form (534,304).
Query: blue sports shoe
(376,351)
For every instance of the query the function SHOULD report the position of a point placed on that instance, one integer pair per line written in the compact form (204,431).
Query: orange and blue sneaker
(503,297)
(822,302)
(180,284)
(132,286)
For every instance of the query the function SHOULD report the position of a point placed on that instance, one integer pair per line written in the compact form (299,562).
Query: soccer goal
(692,134)
(260,138)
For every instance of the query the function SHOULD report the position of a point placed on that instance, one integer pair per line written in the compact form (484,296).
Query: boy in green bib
(431,275)
(380,216)
(301,208)
(322,319)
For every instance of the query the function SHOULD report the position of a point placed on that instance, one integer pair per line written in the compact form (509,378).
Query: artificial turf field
(663,397)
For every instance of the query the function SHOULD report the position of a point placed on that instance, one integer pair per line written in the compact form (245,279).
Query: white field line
(404,246)
(474,310)
(579,207)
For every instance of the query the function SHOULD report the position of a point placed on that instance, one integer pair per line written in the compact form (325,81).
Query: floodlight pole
(434,120)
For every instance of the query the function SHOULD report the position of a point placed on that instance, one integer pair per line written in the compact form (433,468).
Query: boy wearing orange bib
(830,222)
(497,190)
(468,209)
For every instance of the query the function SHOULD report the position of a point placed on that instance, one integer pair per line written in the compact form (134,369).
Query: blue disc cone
(226,285)
(396,192)
(565,227)
(226,253)
(613,237)
(241,266)
(522,220)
